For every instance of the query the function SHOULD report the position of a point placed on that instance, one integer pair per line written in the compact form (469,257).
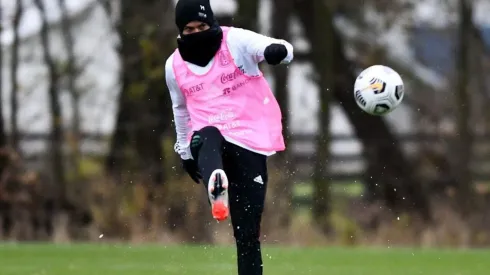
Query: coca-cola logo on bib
(227,77)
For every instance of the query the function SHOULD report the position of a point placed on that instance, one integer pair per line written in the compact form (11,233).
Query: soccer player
(226,117)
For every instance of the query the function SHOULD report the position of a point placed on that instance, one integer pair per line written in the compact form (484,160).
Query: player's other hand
(274,54)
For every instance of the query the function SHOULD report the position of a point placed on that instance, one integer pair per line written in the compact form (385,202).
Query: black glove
(275,53)
(190,166)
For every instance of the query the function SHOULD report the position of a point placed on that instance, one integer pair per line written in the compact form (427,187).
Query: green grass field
(177,260)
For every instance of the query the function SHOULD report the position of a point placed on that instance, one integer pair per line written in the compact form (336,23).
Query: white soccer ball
(378,90)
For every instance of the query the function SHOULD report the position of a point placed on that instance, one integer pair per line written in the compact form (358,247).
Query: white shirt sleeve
(254,44)
(179,108)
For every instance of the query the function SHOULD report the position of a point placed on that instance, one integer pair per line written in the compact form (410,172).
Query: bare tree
(2,127)
(14,65)
(141,119)
(56,139)
(282,190)
(247,15)
(463,103)
(107,5)
(71,76)
(317,23)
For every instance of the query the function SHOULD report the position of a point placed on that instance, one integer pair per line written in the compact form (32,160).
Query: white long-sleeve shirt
(247,49)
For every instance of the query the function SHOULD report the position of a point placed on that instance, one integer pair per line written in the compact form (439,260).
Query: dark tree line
(141,152)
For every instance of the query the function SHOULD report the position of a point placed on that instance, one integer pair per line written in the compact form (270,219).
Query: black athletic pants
(247,176)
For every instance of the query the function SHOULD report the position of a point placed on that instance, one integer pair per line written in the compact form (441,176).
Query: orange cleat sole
(220,211)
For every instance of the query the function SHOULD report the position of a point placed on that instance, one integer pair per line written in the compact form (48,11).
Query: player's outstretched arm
(261,47)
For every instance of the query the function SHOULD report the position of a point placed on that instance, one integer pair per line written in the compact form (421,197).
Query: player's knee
(211,133)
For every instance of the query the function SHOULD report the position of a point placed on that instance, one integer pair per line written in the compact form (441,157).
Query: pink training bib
(242,107)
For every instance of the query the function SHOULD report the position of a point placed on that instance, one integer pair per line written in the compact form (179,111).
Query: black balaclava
(197,48)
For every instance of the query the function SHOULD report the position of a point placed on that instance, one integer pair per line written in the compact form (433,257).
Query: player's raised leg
(207,149)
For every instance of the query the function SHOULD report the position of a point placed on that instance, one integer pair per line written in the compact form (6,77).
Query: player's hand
(275,53)
(190,166)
